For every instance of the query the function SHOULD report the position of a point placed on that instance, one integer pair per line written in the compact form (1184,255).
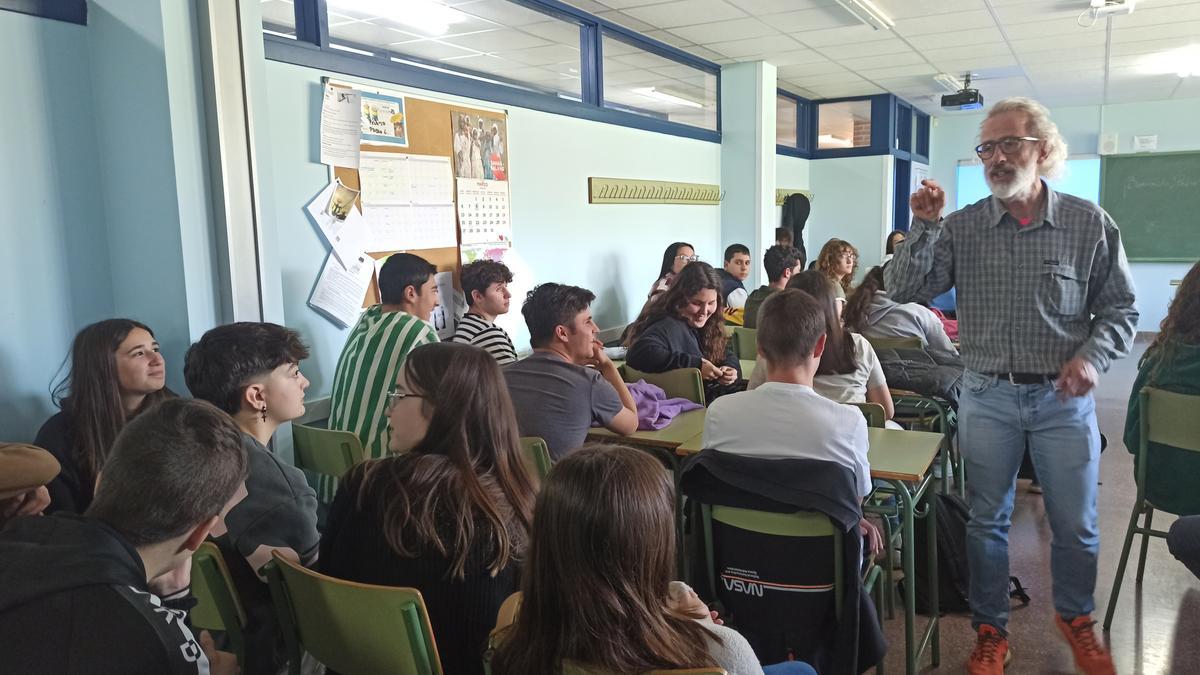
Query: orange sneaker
(1090,655)
(991,653)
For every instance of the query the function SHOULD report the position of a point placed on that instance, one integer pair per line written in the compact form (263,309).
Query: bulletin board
(429,131)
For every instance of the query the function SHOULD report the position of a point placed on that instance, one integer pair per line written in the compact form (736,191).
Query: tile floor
(1156,628)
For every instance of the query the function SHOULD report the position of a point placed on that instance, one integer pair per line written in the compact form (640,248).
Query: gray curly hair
(1040,125)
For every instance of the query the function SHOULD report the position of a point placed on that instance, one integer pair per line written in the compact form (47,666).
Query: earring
(263,413)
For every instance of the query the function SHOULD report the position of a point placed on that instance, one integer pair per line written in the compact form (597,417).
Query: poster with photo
(383,120)
(480,145)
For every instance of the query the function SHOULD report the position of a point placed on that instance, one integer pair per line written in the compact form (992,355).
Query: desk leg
(908,496)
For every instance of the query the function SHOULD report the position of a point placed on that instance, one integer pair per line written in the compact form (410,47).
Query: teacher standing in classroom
(1045,304)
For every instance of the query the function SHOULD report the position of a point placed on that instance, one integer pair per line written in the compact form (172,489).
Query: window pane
(785,121)
(844,125)
(279,18)
(640,82)
(495,40)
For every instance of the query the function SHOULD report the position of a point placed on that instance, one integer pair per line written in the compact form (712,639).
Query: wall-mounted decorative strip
(632,191)
(781,195)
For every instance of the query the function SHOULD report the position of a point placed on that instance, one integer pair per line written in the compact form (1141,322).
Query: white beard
(1022,183)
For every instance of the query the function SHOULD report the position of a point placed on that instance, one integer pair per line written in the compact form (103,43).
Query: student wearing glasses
(1045,304)
(675,258)
(838,261)
(448,512)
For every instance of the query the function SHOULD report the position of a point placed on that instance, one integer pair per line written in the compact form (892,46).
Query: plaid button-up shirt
(1029,298)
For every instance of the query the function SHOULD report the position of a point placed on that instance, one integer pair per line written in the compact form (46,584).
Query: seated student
(894,239)
(871,312)
(1172,362)
(252,371)
(556,397)
(448,513)
(784,237)
(849,370)
(685,328)
(781,263)
(838,261)
(675,258)
(597,590)
(116,373)
(24,472)
(106,592)
(377,346)
(737,268)
(485,283)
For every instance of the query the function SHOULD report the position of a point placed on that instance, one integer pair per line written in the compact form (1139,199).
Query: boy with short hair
(781,263)
(377,346)
(556,396)
(737,268)
(85,594)
(485,283)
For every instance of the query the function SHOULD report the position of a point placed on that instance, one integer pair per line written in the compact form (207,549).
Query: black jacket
(728,283)
(849,646)
(671,343)
(73,599)
(71,489)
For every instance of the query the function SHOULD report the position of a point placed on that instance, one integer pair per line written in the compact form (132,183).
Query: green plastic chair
(678,383)
(218,607)
(745,342)
(810,524)
(353,628)
(327,453)
(875,414)
(1169,419)
(537,455)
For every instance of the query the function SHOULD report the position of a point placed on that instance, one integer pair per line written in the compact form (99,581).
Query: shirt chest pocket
(1063,290)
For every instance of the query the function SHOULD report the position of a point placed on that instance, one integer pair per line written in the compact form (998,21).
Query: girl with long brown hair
(685,328)
(1171,362)
(849,371)
(449,513)
(117,371)
(838,261)
(597,588)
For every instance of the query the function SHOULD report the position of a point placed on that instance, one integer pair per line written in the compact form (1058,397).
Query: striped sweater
(475,330)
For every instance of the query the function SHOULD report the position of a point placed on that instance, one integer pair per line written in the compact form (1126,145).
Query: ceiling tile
(501,12)
(496,40)
(877,74)
(797,57)
(882,61)
(755,47)
(622,19)
(812,19)
(875,48)
(802,71)
(686,13)
(907,9)
(738,29)
(761,7)
(843,77)
(841,36)
(956,53)
(1084,39)
(669,38)
(945,23)
(1181,29)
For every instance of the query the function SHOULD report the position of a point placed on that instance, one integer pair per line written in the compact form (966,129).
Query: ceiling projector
(965,98)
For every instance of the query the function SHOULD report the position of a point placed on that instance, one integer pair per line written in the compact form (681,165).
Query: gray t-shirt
(559,401)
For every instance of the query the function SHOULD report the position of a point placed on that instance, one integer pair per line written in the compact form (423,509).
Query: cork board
(429,132)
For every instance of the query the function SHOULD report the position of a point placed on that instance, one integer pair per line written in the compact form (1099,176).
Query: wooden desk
(901,455)
(681,429)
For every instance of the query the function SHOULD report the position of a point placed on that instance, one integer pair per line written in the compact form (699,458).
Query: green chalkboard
(1155,199)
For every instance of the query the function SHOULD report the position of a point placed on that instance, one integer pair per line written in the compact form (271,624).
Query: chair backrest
(1170,418)
(218,607)
(325,451)
(537,455)
(745,342)
(808,524)
(678,383)
(895,342)
(874,412)
(352,627)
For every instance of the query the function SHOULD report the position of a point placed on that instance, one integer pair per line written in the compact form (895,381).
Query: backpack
(954,576)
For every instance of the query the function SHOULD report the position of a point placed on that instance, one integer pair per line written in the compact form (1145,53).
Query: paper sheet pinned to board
(483,212)
(394,179)
(348,237)
(452,305)
(339,291)
(340,112)
(401,228)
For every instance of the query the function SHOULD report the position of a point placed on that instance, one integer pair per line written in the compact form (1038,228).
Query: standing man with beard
(1045,304)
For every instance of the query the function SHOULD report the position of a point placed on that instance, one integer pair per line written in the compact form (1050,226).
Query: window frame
(311,48)
(69,11)
(805,128)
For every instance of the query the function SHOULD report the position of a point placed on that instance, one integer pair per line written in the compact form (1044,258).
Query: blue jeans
(995,419)
(789,668)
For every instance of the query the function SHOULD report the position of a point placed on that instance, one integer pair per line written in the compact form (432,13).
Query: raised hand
(928,202)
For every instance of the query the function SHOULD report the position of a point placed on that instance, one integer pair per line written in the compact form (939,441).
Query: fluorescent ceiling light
(1184,61)
(655,93)
(427,16)
(866,12)
(948,82)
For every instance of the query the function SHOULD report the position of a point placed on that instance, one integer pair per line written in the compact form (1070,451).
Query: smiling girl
(685,328)
(116,372)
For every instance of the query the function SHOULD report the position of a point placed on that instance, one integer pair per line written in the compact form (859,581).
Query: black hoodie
(74,599)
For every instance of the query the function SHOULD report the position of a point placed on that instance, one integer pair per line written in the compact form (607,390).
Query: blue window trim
(70,11)
(311,49)
(806,133)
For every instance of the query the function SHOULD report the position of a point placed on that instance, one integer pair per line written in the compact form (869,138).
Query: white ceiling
(1016,47)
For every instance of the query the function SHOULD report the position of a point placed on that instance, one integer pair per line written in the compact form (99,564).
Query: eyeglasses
(1010,145)
(848,256)
(394,397)
(689,258)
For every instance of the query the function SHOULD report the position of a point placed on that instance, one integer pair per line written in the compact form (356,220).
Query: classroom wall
(953,137)
(614,250)
(56,251)
(852,199)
